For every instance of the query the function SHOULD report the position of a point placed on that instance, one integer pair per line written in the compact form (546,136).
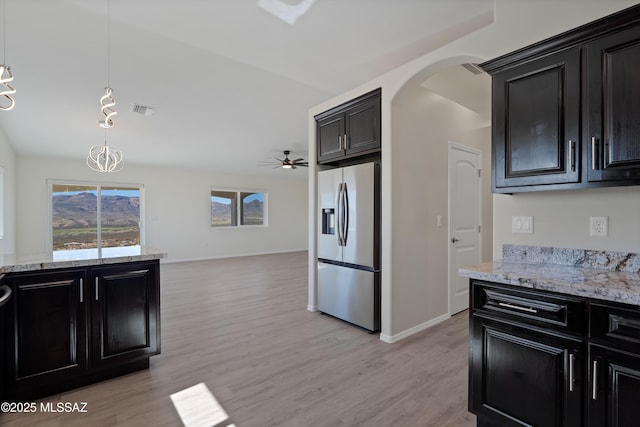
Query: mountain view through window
(94,216)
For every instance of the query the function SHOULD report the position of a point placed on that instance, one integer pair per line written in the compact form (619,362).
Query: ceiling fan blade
(297,160)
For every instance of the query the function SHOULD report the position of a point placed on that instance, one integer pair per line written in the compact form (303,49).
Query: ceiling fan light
(286,166)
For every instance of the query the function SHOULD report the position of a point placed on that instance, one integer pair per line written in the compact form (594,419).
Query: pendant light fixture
(6,90)
(103,158)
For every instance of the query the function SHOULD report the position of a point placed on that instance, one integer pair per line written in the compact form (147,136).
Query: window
(237,207)
(93,217)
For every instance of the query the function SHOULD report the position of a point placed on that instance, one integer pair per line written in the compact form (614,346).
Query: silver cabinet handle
(97,299)
(340,141)
(572,359)
(7,294)
(572,147)
(345,141)
(81,290)
(594,146)
(517,307)
(594,391)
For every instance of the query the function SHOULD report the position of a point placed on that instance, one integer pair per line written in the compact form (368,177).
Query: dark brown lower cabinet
(524,377)
(539,358)
(125,314)
(72,327)
(614,388)
(47,339)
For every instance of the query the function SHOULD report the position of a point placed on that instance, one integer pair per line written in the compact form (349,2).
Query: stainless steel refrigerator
(349,244)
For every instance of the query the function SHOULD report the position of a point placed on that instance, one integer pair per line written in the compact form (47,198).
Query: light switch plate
(522,224)
(598,226)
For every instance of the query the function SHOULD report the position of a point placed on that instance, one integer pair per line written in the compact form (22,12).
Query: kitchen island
(78,317)
(555,338)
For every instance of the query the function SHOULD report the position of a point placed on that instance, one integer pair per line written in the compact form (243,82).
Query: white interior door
(465,234)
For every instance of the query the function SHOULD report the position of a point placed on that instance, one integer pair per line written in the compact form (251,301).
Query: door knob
(453,240)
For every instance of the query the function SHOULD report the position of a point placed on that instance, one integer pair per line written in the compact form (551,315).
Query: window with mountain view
(89,217)
(232,208)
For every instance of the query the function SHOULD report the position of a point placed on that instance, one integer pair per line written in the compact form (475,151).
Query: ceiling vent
(143,109)
(474,68)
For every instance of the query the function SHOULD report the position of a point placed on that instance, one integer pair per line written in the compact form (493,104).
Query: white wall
(423,125)
(561,218)
(7,162)
(514,25)
(177,209)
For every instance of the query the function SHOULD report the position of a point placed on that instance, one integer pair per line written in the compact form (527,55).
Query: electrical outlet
(598,226)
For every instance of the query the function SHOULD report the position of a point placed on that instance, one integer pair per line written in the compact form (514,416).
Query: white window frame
(52,182)
(239,224)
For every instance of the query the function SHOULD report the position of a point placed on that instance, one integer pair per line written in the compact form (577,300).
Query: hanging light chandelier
(6,77)
(103,158)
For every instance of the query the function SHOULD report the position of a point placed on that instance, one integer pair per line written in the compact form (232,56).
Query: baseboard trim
(171,261)
(390,339)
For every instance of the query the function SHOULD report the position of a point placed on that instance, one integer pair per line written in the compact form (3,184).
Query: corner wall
(422,126)
(177,209)
(8,164)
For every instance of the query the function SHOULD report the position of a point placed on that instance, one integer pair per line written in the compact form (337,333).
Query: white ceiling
(232,83)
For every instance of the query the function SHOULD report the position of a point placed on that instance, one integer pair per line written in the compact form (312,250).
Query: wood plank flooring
(241,326)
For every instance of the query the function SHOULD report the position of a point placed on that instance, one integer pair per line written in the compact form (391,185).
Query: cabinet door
(47,334)
(125,313)
(536,108)
(613,103)
(614,388)
(363,126)
(521,377)
(331,131)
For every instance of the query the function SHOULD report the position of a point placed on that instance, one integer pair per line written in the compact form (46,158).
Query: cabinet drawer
(536,308)
(617,326)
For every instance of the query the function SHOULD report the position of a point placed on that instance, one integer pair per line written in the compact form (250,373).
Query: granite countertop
(77,258)
(609,276)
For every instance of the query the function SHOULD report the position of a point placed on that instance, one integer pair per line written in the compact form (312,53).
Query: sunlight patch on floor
(198,407)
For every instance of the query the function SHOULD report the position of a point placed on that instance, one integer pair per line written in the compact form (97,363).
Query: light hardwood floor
(241,326)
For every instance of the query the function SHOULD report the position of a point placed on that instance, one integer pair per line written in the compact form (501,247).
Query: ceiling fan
(285,163)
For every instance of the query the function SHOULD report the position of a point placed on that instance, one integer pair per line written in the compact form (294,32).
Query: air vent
(142,109)
(473,68)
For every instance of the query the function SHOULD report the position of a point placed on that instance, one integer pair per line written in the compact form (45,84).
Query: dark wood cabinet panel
(47,342)
(330,134)
(536,122)
(125,313)
(522,377)
(614,388)
(613,103)
(349,130)
(565,110)
(530,369)
(363,126)
(68,328)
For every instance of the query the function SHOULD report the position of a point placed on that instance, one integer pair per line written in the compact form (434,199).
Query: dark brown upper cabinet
(566,110)
(349,130)
(536,126)
(613,106)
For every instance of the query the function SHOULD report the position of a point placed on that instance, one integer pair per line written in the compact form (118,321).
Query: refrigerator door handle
(345,224)
(338,215)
